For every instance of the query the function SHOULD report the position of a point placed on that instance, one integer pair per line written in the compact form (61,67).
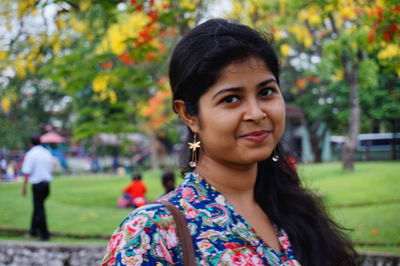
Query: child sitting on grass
(134,194)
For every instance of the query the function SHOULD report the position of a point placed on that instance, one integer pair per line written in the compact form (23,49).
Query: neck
(234,182)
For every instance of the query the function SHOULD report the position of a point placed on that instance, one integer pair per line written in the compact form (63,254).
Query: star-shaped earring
(194,145)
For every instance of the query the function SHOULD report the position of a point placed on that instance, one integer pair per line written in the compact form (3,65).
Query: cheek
(281,128)
(278,115)
(214,121)
(216,127)
(282,117)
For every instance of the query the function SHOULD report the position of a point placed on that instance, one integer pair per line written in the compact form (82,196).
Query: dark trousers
(39,226)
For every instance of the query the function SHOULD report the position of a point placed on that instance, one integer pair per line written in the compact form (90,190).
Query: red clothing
(136,189)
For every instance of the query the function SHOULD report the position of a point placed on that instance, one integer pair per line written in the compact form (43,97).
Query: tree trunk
(316,139)
(317,151)
(155,160)
(375,126)
(350,143)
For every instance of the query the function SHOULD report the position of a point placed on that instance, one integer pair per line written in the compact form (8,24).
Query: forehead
(242,72)
(247,65)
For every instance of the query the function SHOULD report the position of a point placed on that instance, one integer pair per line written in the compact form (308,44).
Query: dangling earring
(275,157)
(193,146)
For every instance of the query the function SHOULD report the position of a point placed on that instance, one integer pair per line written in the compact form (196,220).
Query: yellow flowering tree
(105,56)
(156,117)
(27,97)
(127,57)
(330,49)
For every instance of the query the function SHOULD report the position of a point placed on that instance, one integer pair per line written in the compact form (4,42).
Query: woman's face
(242,116)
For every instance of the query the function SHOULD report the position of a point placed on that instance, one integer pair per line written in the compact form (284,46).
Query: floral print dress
(220,235)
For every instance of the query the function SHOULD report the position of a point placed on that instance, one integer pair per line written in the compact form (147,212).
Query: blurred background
(91,78)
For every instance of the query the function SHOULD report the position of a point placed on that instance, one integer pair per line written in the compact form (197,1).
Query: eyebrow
(236,89)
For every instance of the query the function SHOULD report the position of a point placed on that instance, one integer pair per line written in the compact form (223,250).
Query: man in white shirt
(37,168)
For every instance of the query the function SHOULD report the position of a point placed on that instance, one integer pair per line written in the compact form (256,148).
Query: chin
(263,154)
(256,158)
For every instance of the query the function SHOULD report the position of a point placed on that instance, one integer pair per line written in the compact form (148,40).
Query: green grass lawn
(366,201)
(77,204)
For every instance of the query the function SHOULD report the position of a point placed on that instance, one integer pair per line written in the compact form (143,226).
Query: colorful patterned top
(220,235)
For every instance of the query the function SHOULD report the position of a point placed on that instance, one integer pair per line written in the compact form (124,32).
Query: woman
(243,202)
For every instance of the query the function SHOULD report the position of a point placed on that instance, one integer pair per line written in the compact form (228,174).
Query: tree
(336,41)
(29,100)
(107,56)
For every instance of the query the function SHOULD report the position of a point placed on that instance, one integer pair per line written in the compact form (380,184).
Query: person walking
(37,170)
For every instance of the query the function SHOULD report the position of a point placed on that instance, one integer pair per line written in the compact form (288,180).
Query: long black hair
(195,66)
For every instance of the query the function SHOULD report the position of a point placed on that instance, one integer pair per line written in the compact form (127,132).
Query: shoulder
(44,150)
(146,220)
(29,155)
(37,151)
(146,236)
(149,214)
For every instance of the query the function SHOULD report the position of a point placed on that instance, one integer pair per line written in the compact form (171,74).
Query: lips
(256,136)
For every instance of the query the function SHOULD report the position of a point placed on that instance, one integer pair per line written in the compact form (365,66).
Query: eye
(265,92)
(230,99)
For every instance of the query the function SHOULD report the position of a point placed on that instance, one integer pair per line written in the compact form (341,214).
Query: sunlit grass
(374,182)
(86,205)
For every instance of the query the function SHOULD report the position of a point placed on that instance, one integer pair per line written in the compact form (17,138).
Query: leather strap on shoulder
(183,233)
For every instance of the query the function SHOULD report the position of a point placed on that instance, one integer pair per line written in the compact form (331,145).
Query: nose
(254,112)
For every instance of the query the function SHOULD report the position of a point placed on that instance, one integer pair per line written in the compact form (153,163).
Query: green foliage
(368,74)
(74,47)
(347,45)
(330,59)
(382,103)
(15,133)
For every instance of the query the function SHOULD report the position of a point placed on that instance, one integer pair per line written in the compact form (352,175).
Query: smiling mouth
(256,136)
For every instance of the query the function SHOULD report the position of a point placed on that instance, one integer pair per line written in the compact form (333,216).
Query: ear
(191,121)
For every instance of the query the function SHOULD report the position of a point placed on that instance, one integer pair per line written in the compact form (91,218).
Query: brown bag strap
(183,233)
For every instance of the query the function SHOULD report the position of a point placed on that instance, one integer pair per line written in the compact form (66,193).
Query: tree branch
(333,24)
